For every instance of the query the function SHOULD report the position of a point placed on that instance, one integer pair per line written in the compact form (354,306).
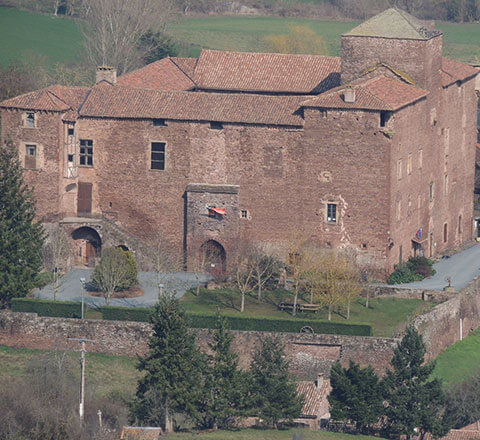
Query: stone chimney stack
(106,73)
(349,95)
(319,381)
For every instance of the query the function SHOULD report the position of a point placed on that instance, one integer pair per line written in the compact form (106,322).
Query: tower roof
(395,23)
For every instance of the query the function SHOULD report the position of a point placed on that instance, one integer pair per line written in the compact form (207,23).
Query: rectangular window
(384,118)
(30,157)
(244,213)
(157,156)
(409,163)
(214,125)
(399,169)
(159,123)
(86,152)
(332,212)
(431,192)
(420,159)
(71,131)
(445,230)
(30,120)
(459,225)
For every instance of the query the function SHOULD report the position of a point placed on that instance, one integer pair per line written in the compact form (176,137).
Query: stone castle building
(374,150)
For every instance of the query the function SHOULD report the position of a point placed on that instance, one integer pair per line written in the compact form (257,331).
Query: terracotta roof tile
(187,65)
(123,102)
(453,71)
(470,432)
(164,74)
(315,399)
(379,93)
(266,72)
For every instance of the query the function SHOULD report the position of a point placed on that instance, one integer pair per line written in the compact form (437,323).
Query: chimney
(106,73)
(349,95)
(319,381)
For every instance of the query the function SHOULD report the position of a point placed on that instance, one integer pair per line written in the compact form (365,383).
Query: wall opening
(88,246)
(214,257)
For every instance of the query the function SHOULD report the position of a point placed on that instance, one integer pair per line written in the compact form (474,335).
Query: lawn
(460,361)
(386,315)
(104,374)
(261,434)
(25,34)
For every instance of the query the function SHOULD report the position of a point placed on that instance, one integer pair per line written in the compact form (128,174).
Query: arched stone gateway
(88,246)
(214,257)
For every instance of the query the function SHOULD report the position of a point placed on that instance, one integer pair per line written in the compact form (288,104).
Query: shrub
(415,269)
(139,314)
(42,307)
(43,279)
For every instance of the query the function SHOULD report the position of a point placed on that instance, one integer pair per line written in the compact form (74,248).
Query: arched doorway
(88,246)
(213,257)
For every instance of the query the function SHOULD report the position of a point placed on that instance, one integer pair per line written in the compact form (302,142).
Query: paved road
(71,288)
(461,268)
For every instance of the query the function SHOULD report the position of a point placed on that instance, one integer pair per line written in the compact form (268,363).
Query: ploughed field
(30,36)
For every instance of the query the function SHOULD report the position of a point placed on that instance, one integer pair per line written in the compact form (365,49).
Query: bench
(300,307)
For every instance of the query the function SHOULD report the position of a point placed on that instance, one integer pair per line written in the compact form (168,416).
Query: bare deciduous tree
(265,266)
(243,269)
(166,261)
(113,28)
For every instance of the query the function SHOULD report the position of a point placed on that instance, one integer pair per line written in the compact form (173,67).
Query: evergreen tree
(356,395)
(412,399)
(224,396)
(273,392)
(173,369)
(21,236)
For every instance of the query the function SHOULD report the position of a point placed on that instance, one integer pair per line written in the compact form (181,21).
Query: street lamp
(160,288)
(82,280)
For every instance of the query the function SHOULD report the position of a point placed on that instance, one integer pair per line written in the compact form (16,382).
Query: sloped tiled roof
(266,72)
(470,432)
(315,398)
(164,74)
(379,93)
(187,65)
(453,71)
(394,23)
(122,102)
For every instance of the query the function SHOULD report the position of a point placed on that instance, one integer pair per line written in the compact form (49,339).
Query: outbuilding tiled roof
(187,65)
(122,102)
(394,23)
(379,93)
(315,398)
(53,98)
(164,74)
(470,432)
(453,71)
(266,72)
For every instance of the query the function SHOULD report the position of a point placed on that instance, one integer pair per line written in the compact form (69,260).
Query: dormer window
(159,123)
(214,125)
(29,120)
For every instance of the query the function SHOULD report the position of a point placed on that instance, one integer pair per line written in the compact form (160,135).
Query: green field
(26,35)
(460,361)
(261,434)
(386,315)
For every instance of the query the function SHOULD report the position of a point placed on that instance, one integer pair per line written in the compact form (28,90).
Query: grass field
(24,34)
(104,374)
(386,315)
(460,361)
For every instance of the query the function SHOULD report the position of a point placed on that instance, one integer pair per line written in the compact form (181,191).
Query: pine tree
(224,397)
(413,401)
(21,236)
(273,391)
(356,395)
(173,369)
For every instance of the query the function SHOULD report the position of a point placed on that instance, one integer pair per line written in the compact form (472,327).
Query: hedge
(268,324)
(43,307)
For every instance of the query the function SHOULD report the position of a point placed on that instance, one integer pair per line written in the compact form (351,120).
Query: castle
(374,150)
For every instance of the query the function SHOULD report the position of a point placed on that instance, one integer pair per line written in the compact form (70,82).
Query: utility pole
(81,408)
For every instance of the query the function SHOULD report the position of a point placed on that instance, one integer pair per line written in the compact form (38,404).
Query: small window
(445,232)
(431,192)
(30,157)
(159,123)
(70,158)
(216,125)
(86,152)
(420,159)
(384,118)
(244,214)
(409,164)
(157,156)
(30,120)
(332,212)
(459,225)
(399,169)
(71,131)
